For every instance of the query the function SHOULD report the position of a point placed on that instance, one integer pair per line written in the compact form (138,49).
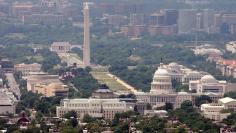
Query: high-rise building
(86,47)
(187,21)
(171,16)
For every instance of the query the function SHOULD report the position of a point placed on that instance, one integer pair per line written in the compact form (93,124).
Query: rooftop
(227,100)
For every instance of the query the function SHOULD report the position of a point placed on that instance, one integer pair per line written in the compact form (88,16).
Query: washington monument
(86,47)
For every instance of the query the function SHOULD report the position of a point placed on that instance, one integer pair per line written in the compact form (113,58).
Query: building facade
(48,85)
(61,47)
(208,84)
(26,69)
(216,112)
(99,108)
(7,104)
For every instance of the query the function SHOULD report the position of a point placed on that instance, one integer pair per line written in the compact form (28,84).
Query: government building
(215,111)
(98,108)
(208,84)
(61,47)
(26,69)
(182,73)
(162,91)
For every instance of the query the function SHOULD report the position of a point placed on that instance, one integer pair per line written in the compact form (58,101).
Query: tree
(230,94)
(88,119)
(70,114)
(74,122)
(187,106)
(180,130)
(230,120)
(202,99)
(168,106)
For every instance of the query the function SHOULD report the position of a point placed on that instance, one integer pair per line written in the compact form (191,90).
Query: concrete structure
(48,85)
(162,92)
(186,21)
(156,19)
(182,74)
(61,47)
(7,104)
(171,16)
(133,31)
(21,9)
(116,20)
(161,82)
(207,51)
(162,30)
(45,19)
(208,84)
(137,19)
(99,108)
(86,46)
(212,111)
(215,110)
(26,69)
(227,67)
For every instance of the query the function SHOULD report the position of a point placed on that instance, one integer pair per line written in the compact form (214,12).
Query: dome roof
(161,72)
(173,64)
(208,79)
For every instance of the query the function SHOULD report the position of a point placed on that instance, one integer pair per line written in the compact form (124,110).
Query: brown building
(46,19)
(26,69)
(21,9)
(156,19)
(48,85)
(133,30)
(116,20)
(162,30)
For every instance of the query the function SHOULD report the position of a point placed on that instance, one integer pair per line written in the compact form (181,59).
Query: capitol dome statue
(161,83)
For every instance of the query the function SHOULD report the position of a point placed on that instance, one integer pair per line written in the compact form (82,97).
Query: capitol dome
(173,64)
(161,72)
(208,79)
(161,81)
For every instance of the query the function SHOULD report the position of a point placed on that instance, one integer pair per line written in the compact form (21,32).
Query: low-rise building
(133,31)
(7,104)
(99,108)
(227,67)
(162,30)
(45,19)
(61,47)
(21,9)
(26,69)
(48,85)
(215,111)
(207,84)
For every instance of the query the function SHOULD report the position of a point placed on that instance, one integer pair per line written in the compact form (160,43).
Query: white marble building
(215,112)
(106,108)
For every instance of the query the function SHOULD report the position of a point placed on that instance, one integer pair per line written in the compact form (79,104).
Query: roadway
(13,86)
(70,59)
